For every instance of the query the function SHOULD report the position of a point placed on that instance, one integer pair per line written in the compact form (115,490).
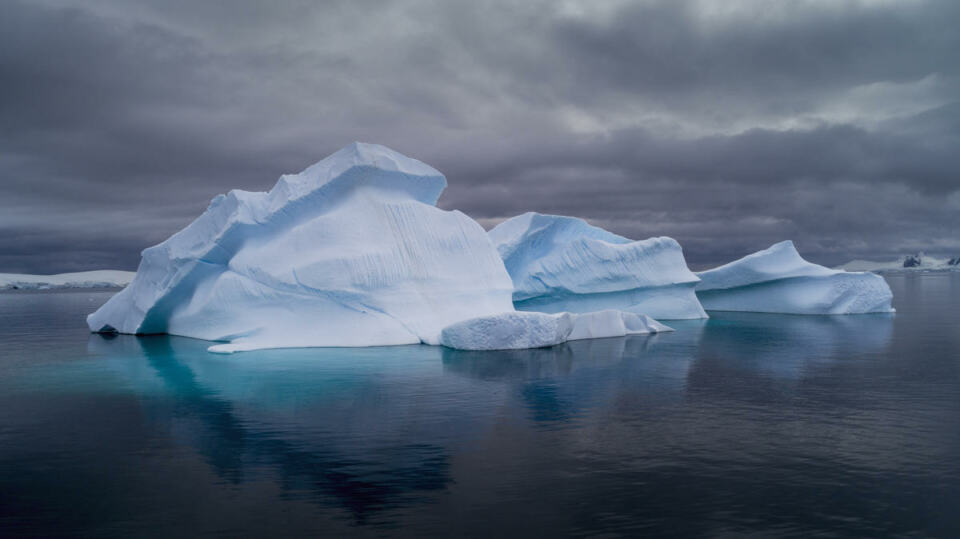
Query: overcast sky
(728,125)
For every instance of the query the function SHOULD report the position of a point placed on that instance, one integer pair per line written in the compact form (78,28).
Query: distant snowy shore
(917,262)
(83,279)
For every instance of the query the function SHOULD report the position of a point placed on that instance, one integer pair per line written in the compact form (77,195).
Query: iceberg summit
(350,252)
(563,264)
(779,280)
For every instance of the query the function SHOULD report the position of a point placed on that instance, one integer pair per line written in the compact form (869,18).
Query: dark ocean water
(746,424)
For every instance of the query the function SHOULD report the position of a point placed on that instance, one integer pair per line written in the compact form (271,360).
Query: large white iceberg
(516,330)
(779,280)
(83,279)
(350,252)
(563,264)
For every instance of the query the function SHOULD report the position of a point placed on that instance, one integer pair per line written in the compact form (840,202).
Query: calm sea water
(762,425)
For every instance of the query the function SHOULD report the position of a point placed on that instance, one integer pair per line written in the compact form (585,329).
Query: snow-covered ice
(779,280)
(83,279)
(522,329)
(508,331)
(350,252)
(563,264)
(611,323)
(915,262)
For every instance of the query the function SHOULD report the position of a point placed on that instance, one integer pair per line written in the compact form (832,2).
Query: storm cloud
(726,125)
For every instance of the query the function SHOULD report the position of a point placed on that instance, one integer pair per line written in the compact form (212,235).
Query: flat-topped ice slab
(520,329)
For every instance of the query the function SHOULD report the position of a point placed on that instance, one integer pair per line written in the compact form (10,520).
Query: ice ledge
(521,330)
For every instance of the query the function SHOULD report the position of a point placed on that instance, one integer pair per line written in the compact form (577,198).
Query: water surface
(745,424)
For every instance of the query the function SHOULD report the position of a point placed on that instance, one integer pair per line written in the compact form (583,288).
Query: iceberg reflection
(241,449)
(374,429)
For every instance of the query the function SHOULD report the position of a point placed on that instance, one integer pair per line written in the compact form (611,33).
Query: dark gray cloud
(727,125)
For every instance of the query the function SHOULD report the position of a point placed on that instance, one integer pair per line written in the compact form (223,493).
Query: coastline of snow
(779,280)
(563,264)
(909,263)
(83,279)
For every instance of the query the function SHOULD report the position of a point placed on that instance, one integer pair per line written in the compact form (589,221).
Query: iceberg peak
(363,163)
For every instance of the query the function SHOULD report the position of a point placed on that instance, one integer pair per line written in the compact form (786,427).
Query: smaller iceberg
(563,264)
(779,280)
(519,329)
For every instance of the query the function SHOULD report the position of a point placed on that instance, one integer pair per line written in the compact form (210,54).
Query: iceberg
(563,264)
(350,252)
(83,279)
(779,280)
(520,329)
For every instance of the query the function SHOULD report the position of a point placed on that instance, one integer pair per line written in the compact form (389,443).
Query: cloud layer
(727,125)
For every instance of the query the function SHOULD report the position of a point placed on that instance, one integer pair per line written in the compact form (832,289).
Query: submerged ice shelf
(779,280)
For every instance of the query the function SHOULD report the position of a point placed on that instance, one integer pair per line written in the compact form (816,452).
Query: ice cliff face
(778,280)
(350,252)
(565,264)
